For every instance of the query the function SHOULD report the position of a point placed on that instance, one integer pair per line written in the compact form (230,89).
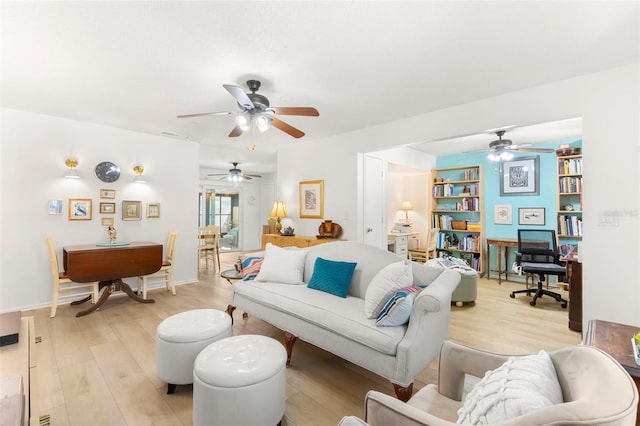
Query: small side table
(231,274)
(615,339)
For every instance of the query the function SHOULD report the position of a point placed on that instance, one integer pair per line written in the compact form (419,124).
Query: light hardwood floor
(100,369)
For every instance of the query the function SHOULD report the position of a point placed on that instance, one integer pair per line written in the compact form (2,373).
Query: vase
(328,225)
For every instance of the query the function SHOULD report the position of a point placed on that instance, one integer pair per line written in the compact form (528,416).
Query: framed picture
(55,206)
(80,208)
(502,214)
(531,216)
(107,208)
(107,193)
(131,210)
(153,209)
(106,221)
(520,176)
(312,199)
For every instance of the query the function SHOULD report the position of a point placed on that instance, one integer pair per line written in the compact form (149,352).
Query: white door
(374,203)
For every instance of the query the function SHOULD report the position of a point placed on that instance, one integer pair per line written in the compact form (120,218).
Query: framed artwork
(55,206)
(108,208)
(80,208)
(312,199)
(531,216)
(106,221)
(107,193)
(502,214)
(153,210)
(520,176)
(131,210)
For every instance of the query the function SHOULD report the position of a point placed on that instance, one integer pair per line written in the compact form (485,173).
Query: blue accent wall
(547,198)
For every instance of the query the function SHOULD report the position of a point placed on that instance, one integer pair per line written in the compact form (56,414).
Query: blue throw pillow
(332,276)
(397,310)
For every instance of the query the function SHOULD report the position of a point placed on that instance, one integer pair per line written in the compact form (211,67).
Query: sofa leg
(402,393)
(230,309)
(289,340)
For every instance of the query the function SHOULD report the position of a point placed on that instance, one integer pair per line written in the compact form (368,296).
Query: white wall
(609,105)
(33,150)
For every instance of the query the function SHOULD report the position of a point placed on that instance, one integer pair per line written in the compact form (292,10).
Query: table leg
(488,261)
(81,301)
(110,287)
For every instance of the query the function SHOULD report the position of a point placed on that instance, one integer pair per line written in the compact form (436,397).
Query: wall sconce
(278,211)
(138,169)
(406,206)
(71,162)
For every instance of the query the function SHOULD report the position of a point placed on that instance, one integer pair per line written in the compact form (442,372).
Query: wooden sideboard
(295,240)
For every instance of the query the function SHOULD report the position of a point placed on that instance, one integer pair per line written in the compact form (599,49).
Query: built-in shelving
(569,215)
(457,211)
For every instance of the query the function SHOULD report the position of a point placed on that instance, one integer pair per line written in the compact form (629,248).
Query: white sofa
(339,325)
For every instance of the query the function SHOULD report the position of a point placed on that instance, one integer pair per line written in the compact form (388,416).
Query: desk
(615,339)
(108,265)
(502,245)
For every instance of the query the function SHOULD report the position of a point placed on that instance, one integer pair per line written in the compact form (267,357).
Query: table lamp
(278,211)
(406,206)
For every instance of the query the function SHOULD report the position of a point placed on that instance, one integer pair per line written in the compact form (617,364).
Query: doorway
(221,207)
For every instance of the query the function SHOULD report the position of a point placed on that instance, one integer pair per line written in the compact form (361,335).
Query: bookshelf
(569,216)
(457,210)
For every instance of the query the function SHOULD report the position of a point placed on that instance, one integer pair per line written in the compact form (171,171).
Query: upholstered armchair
(595,390)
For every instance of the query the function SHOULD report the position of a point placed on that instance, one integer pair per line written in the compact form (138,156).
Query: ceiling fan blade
(534,150)
(305,111)
(247,177)
(237,131)
(206,113)
(217,174)
(238,93)
(252,175)
(287,128)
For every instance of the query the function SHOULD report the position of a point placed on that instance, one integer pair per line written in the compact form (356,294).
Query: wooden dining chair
(209,245)
(61,282)
(165,274)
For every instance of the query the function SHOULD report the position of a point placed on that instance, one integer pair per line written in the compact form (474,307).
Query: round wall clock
(107,171)
(251,200)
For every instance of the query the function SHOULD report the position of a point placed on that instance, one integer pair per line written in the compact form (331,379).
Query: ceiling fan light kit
(255,109)
(235,175)
(502,149)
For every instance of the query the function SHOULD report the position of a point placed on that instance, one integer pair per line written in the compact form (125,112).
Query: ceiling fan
(255,108)
(234,175)
(501,149)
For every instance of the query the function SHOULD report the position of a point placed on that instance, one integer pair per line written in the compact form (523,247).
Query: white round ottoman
(181,337)
(240,380)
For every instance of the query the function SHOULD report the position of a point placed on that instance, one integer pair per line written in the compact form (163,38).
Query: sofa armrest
(428,327)
(385,410)
(456,360)
(352,421)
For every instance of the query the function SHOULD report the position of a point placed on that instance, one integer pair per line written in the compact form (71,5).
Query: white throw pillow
(517,387)
(392,277)
(282,265)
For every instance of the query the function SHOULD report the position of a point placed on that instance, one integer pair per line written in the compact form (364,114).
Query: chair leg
(144,287)
(54,302)
(95,293)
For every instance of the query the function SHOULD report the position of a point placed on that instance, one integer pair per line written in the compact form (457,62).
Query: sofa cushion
(341,316)
(519,386)
(282,265)
(397,308)
(332,276)
(250,266)
(392,277)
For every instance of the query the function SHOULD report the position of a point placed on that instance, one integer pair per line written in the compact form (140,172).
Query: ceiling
(137,65)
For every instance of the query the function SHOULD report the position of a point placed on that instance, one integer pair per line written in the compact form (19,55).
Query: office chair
(538,255)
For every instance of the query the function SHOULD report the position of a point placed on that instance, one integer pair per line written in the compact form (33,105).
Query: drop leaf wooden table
(109,264)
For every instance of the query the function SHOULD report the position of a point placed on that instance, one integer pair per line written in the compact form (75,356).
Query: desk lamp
(278,211)
(406,206)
